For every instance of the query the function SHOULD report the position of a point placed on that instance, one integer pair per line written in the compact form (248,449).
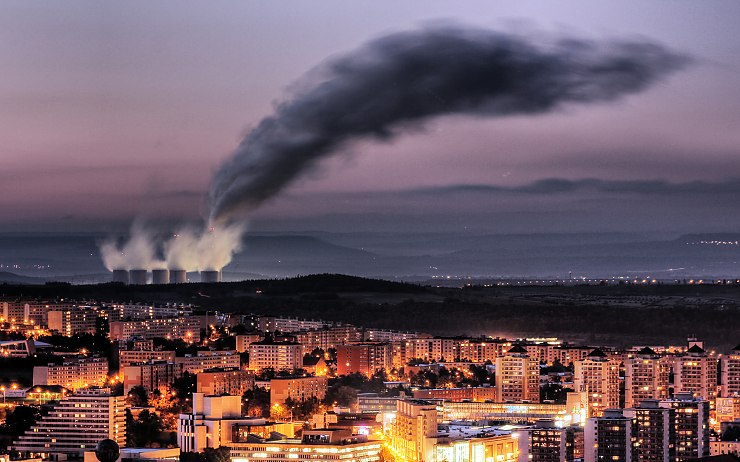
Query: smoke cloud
(404,79)
(380,90)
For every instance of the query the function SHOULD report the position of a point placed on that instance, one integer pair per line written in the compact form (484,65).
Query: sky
(116,111)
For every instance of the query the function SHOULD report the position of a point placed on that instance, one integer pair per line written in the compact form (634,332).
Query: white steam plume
(139,252)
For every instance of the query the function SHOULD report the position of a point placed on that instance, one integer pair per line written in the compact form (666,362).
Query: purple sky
(113,110)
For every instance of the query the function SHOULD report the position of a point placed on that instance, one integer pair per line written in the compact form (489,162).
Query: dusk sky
(111,111)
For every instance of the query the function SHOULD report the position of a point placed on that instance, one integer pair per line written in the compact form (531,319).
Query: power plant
(160,276)
(178,276)
(138,276)
(210,276)
(121,275)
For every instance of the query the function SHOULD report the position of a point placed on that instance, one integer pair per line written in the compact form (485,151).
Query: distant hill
(10,278)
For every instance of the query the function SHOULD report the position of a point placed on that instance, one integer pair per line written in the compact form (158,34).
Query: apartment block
(598,376)
(363,358)
(608,437)
(275,355)
(297,389)
(186,328)
(731,373)
(224,381)
(646,377)
(695,372)
(78,373)
(517,377)
(77,424)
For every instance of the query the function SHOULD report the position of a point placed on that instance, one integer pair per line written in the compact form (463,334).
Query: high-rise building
(646,377)
(695,372)
(77,424)
(413,436)
(205,360)
(517,377)
(546,442)
(243,341)
(653,432)
(731,373)
(598,376)
(690,421)
(364,358)
(608,438)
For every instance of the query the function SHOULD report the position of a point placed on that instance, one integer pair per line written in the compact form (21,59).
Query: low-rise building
(224,381)
(73,374)
(297,389)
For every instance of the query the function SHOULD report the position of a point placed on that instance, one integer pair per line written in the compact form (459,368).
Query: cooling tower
(138,276)
(210,276)
(120,275)
(160,276)
(178,276)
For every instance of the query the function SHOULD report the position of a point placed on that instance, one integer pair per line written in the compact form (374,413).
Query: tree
(257,402)
(21,419)
(144,431)
(137,397)
(220,454)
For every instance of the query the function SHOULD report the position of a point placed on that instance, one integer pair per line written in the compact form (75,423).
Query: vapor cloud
(402,80)
(190,249)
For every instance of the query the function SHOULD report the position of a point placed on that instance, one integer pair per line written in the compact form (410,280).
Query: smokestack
(160,276)
(138,276)
(120,275)
(210,276)
(178,276)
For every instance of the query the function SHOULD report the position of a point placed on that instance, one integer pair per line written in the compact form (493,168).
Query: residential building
(73,321)
(546,442)
(646,377)
(517,377)
(288,325)
(653,432)
(695,372)
(77,424)
(73,374)
(224,381)
(608,437)
(690,425)
(276,355)
(413,435)
(731,373)
(598,376)
(363,358)
(244,340)
(210,359)
(129,357)
(186,328)
(152,375)
(297,389)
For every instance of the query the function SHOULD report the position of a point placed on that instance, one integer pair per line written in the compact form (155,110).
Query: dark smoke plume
(403,79)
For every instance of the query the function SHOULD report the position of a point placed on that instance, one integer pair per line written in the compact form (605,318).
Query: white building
(77,424)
